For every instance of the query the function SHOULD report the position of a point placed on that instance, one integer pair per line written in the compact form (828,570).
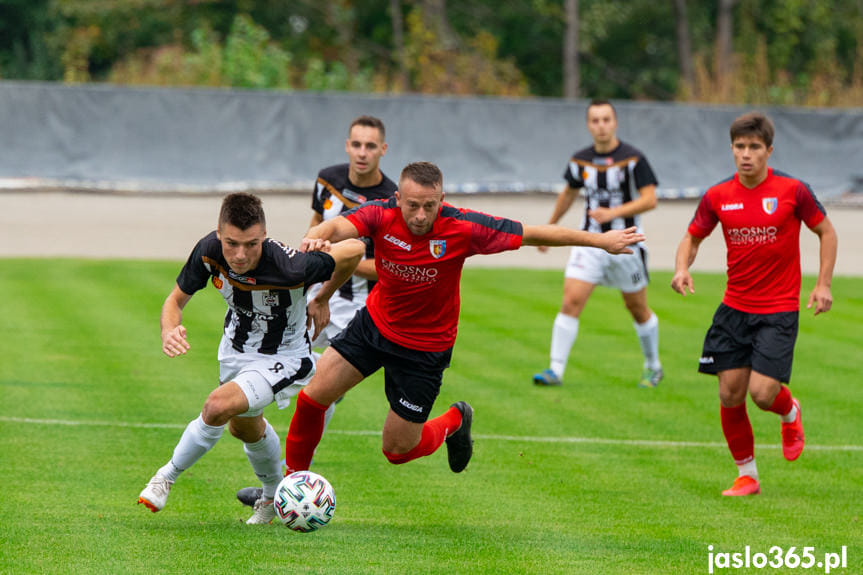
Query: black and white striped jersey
(267,306)
(335,194)
(609,180)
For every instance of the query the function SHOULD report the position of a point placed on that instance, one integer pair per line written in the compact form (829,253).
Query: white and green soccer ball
(304,501)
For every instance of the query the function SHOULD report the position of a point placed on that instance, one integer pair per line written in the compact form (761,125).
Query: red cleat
(743,485)
(792,436)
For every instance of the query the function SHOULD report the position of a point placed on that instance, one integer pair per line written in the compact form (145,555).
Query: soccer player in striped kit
(750,344)
(619,185)
(265,354)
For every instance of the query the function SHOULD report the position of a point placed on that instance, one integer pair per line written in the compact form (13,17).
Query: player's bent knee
(732,398)
(219,409)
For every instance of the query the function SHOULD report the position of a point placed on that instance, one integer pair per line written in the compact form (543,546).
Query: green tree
(26,48)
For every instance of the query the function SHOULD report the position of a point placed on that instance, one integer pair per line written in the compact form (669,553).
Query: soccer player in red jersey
(409,324)
(750,344)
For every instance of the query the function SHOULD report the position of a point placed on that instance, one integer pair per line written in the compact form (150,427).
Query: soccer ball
(304,501)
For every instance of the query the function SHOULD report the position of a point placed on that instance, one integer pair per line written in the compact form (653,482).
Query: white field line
(513,438)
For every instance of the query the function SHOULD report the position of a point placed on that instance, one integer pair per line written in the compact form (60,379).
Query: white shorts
(626,272)
(264,378)
(342,311)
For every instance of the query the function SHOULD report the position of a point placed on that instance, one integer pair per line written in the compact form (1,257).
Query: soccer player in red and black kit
(409,324)
(750,344)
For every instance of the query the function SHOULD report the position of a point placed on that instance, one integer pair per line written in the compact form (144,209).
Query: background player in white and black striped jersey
(340,188)
(619,185)
(265,353)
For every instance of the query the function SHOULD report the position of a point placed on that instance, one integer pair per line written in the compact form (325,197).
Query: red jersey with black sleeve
(762,236)
(416,300)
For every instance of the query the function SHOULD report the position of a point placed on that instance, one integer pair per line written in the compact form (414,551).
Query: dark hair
(597,102)
(369,122)
(423,173)
(753,124)
(242,211)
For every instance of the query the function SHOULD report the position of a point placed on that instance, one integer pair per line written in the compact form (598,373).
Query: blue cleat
(546,377)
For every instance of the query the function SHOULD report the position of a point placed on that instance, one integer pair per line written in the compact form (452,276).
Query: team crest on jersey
(769,205)
(271,299)
(437,248)
(217,282)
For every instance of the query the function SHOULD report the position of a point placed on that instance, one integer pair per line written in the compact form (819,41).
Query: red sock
(738,432)
(307,427)
(434,433)
(782,404)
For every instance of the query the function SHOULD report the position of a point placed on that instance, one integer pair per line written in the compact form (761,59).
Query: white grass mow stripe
(516,438)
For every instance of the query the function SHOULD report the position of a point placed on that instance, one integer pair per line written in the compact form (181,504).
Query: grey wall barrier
(189,140)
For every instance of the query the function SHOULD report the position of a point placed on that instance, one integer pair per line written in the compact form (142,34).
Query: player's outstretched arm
(686,252)
(613,241)
(821,296)
(174,341)
(319,237)
(347,254)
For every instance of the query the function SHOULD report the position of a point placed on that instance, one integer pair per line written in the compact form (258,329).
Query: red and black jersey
(762,235)
(416,300)
(334,194)
(267,305)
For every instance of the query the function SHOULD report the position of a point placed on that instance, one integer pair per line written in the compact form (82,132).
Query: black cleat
(249,495)
(459,445)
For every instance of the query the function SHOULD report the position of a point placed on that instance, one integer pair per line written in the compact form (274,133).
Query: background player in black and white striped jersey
(265,353)
(619,185)
(340,188)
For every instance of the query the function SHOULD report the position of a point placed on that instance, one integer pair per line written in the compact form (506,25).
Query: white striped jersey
(609,180)
(267,306)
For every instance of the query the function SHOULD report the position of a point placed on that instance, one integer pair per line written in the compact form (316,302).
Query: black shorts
(412,378)
(762,341)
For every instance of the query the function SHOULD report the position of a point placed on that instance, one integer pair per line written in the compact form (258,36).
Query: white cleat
(155,495)
(264,512)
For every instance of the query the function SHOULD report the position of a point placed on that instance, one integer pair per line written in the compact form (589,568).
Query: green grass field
(595,477)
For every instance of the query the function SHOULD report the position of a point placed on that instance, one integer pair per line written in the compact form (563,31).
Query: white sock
(563,336)
(328,415)
(197,439)
(748,468)
(790,416)
(265,457)
(648,336)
